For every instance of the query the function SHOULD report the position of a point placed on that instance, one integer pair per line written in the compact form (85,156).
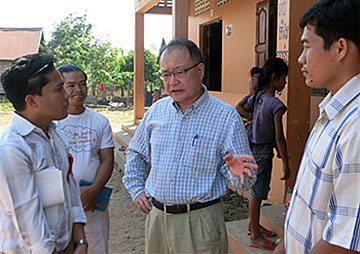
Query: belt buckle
(188,208)
(165,206)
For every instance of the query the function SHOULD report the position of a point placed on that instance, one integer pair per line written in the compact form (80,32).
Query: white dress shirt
(25,225)
(325,203)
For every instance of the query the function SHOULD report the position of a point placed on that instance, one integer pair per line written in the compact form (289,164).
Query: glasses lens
(164,75)
(179,73)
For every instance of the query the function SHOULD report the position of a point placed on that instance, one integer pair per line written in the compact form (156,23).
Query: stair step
(121,140)
(272,217)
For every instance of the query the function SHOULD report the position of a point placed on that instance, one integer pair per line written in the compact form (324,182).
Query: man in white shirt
(31,146)
(324,212)
(89,136)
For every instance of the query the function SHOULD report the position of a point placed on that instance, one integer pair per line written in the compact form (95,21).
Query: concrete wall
(238,50)
(239,56)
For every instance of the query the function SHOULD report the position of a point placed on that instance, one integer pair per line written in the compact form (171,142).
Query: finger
(250,165)
(247,157)
(143,208)
(228,157)
(148,205)
(242,178)
(141,204)
(249,172)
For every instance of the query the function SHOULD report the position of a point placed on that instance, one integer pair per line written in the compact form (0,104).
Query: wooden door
(265,31)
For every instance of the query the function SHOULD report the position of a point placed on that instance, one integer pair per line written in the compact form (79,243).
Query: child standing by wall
(264,133)
(253,84)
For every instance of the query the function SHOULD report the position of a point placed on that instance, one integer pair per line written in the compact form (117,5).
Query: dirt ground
(127,222)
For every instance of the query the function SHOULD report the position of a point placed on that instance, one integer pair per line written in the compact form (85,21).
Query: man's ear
(31,101)
(201,70)
(273,77)
(342,47)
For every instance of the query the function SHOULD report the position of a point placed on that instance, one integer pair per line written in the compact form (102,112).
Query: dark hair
(70,68)
(255,70)
(273,66)
(334,19)
(26,75)
(181,43)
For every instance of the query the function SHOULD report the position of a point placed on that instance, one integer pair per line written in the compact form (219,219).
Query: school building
(234,36)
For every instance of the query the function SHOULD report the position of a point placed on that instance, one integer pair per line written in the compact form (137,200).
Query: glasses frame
(173,73)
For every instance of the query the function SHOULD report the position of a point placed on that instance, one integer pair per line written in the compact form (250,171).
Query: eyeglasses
(178,73)
(38,71)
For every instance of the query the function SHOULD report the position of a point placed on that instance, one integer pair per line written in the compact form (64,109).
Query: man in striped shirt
(324,214)
(195,145)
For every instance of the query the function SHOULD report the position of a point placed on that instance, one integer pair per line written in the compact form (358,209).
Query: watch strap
(80,242)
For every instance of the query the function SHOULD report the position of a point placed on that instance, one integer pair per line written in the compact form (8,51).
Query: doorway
(212,53)
(266,16)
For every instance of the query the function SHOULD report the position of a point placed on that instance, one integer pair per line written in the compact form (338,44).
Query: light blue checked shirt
(326,198)
(185,151)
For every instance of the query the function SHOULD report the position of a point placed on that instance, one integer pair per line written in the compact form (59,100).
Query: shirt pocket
(201,153)
(315,188)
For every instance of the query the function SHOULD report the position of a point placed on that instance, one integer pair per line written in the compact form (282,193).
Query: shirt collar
(333,104)
(24,127)
(193,107)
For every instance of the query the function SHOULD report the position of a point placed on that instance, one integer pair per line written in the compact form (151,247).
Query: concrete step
(272,217)
(122,139)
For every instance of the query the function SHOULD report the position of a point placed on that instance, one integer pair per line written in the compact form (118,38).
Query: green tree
(151,68)
(73,42)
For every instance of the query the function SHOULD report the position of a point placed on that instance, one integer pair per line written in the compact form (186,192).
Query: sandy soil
(126,221)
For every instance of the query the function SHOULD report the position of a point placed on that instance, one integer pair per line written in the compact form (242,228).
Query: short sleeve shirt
(262,127)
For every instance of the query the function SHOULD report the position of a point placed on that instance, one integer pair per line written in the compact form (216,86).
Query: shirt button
(179,138)
(175,159)
(171,180)
(184,118)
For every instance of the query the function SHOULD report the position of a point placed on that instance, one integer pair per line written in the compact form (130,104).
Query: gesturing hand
(240,165)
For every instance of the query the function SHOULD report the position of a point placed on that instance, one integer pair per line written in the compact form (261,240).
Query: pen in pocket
(194,139)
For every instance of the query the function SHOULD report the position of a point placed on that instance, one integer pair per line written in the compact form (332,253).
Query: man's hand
(240,165)
(142,203)
(87,196)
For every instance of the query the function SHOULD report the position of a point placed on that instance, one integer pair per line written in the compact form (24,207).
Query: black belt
(183,208)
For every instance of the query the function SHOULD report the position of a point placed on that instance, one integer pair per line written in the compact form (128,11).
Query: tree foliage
(73,42)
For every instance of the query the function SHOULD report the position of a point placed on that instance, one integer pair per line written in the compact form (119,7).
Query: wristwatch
(80,242)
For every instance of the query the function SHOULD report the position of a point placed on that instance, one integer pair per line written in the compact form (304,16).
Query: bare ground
(126,221)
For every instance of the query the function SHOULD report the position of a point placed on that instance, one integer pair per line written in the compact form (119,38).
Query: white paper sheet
(50,186)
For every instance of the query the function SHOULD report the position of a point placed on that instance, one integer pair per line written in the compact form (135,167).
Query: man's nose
(301,59)
(76,87)
(172,78)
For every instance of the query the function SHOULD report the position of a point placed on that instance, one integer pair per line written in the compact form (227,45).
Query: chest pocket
(201,153)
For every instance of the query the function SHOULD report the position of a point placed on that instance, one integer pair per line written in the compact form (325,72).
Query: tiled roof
(16,42)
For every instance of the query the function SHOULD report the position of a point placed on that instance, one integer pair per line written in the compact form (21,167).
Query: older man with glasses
(194,145)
